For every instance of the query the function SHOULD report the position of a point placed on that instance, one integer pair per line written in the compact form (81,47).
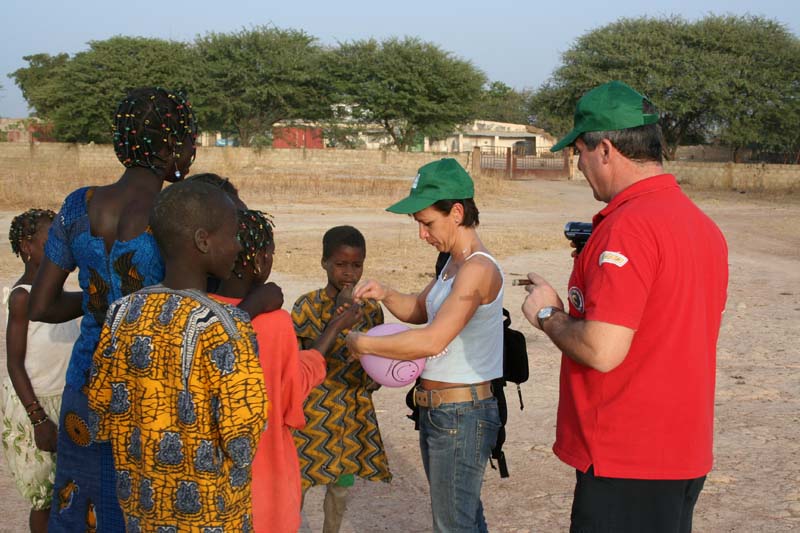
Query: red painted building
(297,137)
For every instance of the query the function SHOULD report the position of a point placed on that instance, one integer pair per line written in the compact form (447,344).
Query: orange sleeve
(288,371)
(312,370)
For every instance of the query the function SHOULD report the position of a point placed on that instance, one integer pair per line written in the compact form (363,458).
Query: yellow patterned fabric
(177,388)
(341,435)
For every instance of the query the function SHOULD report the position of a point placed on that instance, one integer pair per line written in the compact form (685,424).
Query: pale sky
(517,42)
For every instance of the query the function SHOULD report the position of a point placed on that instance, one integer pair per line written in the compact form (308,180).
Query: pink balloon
(391,372)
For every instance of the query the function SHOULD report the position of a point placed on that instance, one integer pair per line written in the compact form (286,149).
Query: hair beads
(149,120)
(255,235)
(24,227)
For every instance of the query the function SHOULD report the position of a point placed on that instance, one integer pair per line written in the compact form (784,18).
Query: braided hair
(24,226)
(145,122)
(255,235)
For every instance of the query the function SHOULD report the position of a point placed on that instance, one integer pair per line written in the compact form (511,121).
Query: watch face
(545,313)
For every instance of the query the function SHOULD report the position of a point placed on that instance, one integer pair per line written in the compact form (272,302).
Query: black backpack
(515,370)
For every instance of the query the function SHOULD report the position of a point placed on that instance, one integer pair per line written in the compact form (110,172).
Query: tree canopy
(253,78)
(37,79)
(727,78)
(408,86)
(79,94)
(501,103)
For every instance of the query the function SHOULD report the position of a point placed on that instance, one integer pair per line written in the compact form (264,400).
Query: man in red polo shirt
(646,297)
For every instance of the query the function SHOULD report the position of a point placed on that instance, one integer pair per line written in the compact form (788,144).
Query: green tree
(37,82)
(79,94)
(254,78)
(501,103)
(761,60)
(702,76)
(409,87)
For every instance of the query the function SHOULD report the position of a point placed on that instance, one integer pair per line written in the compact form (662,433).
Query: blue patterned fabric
(103,276)
(85,484)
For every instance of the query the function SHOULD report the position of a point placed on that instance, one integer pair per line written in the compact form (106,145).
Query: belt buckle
(428,395)
(434,403)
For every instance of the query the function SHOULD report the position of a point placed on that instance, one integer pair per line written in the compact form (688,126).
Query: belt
(435,397)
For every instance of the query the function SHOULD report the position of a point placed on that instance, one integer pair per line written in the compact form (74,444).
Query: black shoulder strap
(498,388)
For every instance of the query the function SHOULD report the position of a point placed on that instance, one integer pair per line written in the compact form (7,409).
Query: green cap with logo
(445,179)
(612,106)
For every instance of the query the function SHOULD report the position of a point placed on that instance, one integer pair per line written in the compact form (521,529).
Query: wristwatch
(544,314)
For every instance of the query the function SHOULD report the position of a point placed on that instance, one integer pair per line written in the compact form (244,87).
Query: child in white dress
(37,357)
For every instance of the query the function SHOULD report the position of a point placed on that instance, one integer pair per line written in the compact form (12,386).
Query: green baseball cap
(611,106)
(440,180)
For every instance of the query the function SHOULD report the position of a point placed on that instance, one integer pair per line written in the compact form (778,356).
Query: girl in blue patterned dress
(103,231)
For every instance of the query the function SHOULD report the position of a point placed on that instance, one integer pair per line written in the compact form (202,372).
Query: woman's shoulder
(74,205)
(479,264)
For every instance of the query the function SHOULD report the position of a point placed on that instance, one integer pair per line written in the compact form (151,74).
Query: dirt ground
(755,484)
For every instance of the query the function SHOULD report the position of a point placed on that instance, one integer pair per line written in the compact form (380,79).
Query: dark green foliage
(407,86)
(80,94)
(253,78)
(726,78)
(501,103)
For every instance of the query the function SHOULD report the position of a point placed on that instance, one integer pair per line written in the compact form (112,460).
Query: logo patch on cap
(615,258)
(416,182)
(576,299)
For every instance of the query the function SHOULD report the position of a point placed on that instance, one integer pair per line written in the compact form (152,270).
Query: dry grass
(305,205)
(43,190)
(363,187)
(395,254)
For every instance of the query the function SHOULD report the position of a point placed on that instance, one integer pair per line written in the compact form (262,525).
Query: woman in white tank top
(462,313)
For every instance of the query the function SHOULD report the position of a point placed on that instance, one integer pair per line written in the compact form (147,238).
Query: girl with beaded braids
(37,357)
(289,375)
(103,232)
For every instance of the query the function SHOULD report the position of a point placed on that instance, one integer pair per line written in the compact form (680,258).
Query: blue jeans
(455,440)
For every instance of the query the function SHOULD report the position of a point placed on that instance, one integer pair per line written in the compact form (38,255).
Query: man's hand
(540,294)
(45,435)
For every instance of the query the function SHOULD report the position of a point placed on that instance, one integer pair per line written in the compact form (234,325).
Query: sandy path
(755,484)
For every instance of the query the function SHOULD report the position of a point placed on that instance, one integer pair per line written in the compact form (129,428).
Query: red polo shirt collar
(645,186)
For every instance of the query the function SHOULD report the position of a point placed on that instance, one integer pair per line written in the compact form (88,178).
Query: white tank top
(48,351)
(476,354)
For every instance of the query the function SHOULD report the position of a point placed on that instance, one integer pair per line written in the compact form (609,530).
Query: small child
(289,373)
(341,438)
(176,385)
(37,358)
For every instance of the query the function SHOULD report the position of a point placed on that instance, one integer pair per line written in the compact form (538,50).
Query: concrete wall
(737,176)
(98,163)
(74,165)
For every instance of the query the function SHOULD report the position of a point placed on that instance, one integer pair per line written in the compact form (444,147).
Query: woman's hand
(370,289)
(353,349)
(45,435)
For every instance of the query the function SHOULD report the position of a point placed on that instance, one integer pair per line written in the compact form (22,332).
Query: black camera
(578,232)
